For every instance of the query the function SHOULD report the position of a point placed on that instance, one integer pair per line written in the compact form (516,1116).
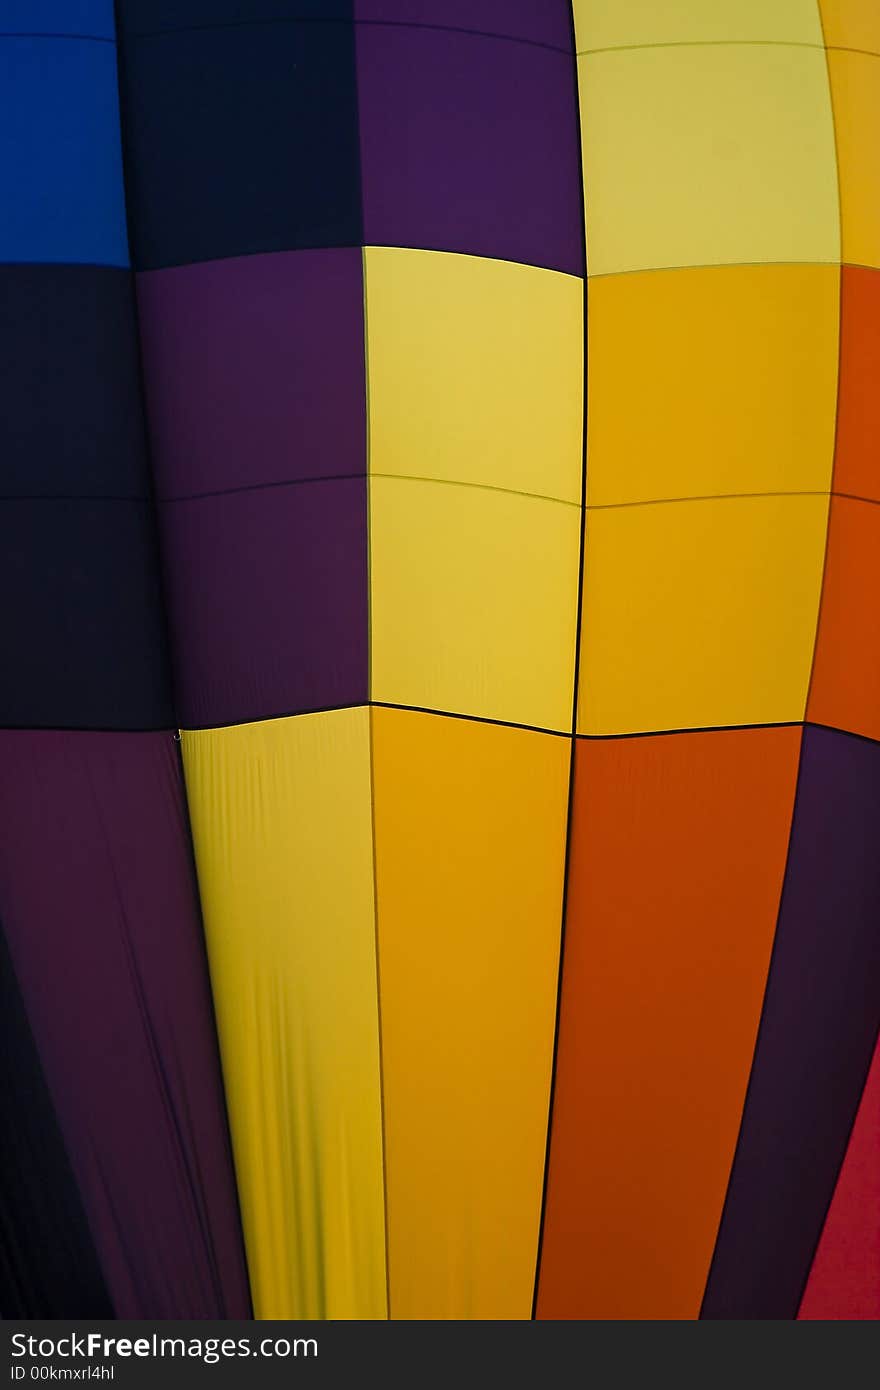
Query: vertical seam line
(370,716)
(551,1097)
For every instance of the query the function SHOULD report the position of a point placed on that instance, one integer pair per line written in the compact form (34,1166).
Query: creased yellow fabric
(282,829)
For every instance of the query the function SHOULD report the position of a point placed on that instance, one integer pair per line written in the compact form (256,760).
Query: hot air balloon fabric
(440,725)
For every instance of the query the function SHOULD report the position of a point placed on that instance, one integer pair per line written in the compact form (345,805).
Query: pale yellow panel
(707,155)
(699,613)
(470,855)
(855,86)
(475,371)
(281,815)
(473,601)
(852,24)
(625,23)
(712,381)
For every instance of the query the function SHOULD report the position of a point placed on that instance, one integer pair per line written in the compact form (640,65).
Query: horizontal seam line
(480,487)
(707,497)
(351,23)
(125,266)
(856,497)
(473,718)
(74,497)
(152,729)
(84,38)
(362,246)
(694,729)
(261,487)
(836,729)
(723,265)
(528,728)
(844,48)
(479,256)
(704,43)
(385,704)
(349,477)
(472,255)
(146,729)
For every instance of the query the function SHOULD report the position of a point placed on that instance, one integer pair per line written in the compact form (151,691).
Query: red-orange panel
(857,456)
(677,857)
(845,689)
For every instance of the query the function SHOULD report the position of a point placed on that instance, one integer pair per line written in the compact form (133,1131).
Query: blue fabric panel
(61,191)
(90,18)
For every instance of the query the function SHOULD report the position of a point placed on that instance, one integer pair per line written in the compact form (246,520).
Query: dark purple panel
(267,596)
(538,21)
(816,1037)
(469,144)
(97,897)
(254,370)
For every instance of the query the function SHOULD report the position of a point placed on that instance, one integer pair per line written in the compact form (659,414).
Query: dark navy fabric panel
(71,416)
(48,1265)
(81,628)
(61,188)
(155,16)
(239,140)
(91,18)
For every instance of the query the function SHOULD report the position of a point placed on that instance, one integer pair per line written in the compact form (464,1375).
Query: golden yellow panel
(699,613)
(855,88)
(470,855)
(712,381)
(475,371)
(626,23)
(473,601)
(707,155)
(851,24)
(281,816)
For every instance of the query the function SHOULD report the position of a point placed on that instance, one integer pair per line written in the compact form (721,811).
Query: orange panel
(857,456)
(677,856)
(845,689)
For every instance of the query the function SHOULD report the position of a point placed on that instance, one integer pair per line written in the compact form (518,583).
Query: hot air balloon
(440,743)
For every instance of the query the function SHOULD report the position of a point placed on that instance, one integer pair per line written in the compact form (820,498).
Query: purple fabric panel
(254,370)
(267,598)
(469,144)
(538,21)
(97,896)
(816,1038)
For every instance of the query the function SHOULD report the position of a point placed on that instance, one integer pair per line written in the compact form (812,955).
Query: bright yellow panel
(699,613)
(855,87)
(470,855)
(707,155)
(851,24)
(624,23)
(712,381)
(475,371)
(281,816)
(473,601)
